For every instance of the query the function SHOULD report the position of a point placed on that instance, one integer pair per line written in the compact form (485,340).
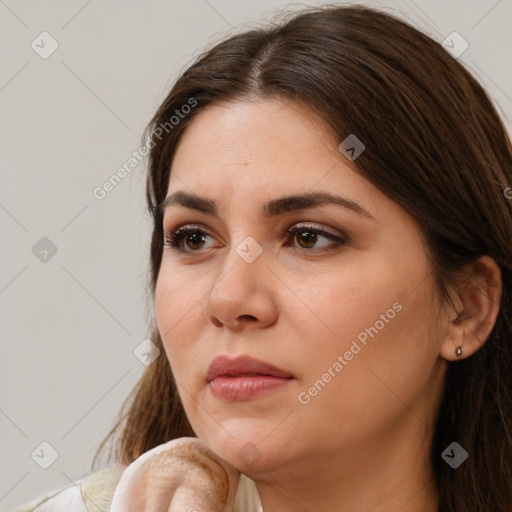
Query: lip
(244,377)
(243,365)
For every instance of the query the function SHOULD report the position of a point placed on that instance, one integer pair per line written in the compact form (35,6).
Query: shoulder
(92,492)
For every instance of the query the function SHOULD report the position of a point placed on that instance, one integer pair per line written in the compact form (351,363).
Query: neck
(392,475)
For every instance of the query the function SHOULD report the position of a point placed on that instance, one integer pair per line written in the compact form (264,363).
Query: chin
(245,444)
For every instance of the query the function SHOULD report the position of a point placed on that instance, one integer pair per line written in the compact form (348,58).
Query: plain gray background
(70,321)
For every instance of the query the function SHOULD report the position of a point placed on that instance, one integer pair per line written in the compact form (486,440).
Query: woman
(331,274)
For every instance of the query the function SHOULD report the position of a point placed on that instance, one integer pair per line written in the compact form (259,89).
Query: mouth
(243,366)
(244,378)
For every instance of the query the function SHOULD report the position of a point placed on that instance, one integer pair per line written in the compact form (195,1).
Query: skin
(364,439)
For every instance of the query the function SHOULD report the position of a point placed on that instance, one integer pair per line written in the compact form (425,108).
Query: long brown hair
(434,144)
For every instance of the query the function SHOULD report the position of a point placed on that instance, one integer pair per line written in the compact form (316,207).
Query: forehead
(251,145)
(257,129)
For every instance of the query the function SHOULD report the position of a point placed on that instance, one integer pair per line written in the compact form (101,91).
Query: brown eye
(308,236)
(193,238)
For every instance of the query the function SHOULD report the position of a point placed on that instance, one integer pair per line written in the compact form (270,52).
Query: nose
(241,295)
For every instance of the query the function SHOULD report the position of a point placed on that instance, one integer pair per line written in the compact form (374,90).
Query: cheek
(377,383)
(380,316)
(347,299)
(179,310)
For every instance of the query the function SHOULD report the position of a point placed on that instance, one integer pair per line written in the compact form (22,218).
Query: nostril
(249,317)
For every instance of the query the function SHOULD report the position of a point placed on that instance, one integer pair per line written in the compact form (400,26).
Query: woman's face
(350,319)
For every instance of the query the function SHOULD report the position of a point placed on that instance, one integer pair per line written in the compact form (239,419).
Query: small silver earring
(458,351)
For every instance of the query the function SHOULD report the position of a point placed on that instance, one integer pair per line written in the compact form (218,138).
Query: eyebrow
(272,208)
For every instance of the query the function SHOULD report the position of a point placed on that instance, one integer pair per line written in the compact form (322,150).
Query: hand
(183,475)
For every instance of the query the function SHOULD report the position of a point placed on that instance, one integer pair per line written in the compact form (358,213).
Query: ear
(478,305)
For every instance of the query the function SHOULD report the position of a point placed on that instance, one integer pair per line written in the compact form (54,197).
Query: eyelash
(173,238)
